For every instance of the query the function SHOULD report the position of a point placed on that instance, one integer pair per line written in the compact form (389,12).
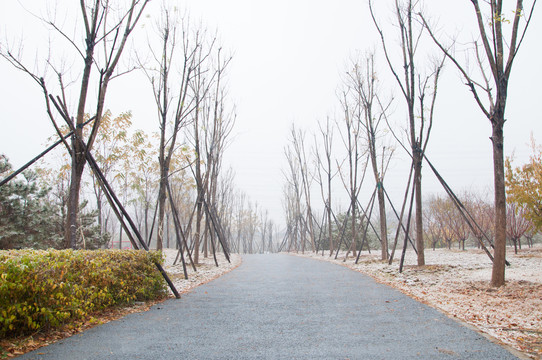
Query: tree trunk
(419,214)
(199,215)
(78,165)
(329,229)
(167,230)
(329,213)
(380,188)
(161,206)
(383,221)
(354,228)
(146,220)
(120,235)
(497,275)
(310,223)
(206,239)
(78,156)
(99,207)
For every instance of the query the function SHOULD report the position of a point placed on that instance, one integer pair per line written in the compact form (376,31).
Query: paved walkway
(282,307)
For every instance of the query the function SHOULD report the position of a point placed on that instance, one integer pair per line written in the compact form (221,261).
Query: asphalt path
(282,307)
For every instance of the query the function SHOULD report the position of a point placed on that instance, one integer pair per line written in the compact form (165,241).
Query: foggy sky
(288,57)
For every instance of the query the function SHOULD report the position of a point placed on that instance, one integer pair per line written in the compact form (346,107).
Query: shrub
(41,289)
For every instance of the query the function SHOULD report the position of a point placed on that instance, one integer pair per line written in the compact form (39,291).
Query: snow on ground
(206,269)
(457,283)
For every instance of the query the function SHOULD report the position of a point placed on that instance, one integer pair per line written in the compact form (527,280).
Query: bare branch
(483,35)
(470,83)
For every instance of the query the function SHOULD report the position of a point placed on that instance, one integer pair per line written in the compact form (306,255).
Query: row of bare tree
(175,186)
(362,131)
(129,160)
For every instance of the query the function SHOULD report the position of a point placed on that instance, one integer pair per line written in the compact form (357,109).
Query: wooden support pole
(345,223)
(218,229)
(367,226)
(405,243)
(464,213)
(179,231)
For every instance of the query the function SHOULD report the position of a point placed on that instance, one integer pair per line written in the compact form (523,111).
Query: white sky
(288,57)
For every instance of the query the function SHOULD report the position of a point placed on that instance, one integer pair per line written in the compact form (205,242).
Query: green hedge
(42,289)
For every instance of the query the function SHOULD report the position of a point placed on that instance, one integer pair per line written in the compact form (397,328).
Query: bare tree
(351,178)
(498,53)
(143,167)
(172,92)
(293,202)
(212,124)
(432,227)
(325,165)
(226,194)
(252,226)
(242,245)
(414,87)
(298,144)
(363,80)
(273,230)
(516,225)
(263,230)
(483,213)
(106,29)
(217,123)
(448,218)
